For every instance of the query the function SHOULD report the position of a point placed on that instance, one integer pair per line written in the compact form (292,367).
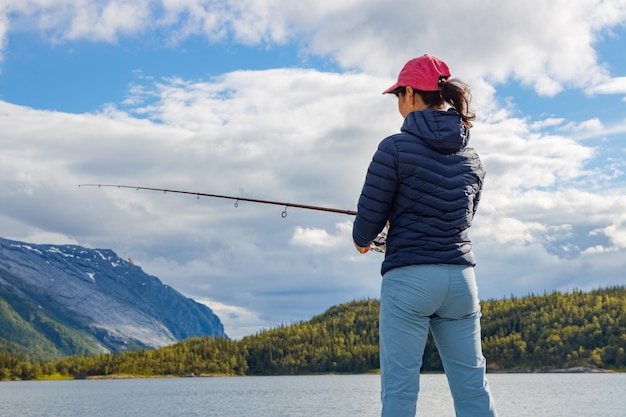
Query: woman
(426,182)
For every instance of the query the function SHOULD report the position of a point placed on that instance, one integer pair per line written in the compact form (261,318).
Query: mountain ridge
(68,299)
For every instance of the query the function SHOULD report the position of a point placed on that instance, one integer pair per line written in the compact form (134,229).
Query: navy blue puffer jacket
(427,183)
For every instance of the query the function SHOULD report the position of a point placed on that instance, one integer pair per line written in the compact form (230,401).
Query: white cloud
(320,239)
(592,125)
(518,157)
(244,322)
(107,22)
(545,45)
(615,85)
(4,28)
(617,232)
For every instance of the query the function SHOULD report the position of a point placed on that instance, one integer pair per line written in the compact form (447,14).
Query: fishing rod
(229,197)
(378,245)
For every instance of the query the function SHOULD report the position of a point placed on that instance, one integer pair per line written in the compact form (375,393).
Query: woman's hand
(361,249)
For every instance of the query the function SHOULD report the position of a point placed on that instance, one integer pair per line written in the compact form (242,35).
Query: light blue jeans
(444,299)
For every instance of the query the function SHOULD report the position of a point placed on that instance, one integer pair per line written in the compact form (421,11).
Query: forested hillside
(343,339)
(557,330)
(536,332)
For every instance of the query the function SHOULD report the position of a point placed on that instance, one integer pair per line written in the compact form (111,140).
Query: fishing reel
(379,244)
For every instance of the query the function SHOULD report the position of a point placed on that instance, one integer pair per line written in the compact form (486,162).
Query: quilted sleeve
(377,195)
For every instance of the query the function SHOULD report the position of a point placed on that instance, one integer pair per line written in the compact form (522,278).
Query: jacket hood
(440,130)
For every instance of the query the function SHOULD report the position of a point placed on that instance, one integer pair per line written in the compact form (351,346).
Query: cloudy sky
(281,100)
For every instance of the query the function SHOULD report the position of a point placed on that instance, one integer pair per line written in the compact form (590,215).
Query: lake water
(516,395)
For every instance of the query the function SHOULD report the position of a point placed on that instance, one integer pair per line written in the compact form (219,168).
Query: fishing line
(113,237)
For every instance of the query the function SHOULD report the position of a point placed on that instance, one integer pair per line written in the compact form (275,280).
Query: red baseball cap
(423,73)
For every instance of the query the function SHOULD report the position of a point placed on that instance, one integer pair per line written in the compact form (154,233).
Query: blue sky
(281,100)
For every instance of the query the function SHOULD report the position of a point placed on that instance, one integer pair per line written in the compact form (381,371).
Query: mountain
(58,301)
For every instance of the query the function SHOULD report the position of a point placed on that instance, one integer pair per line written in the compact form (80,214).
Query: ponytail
(454,92)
